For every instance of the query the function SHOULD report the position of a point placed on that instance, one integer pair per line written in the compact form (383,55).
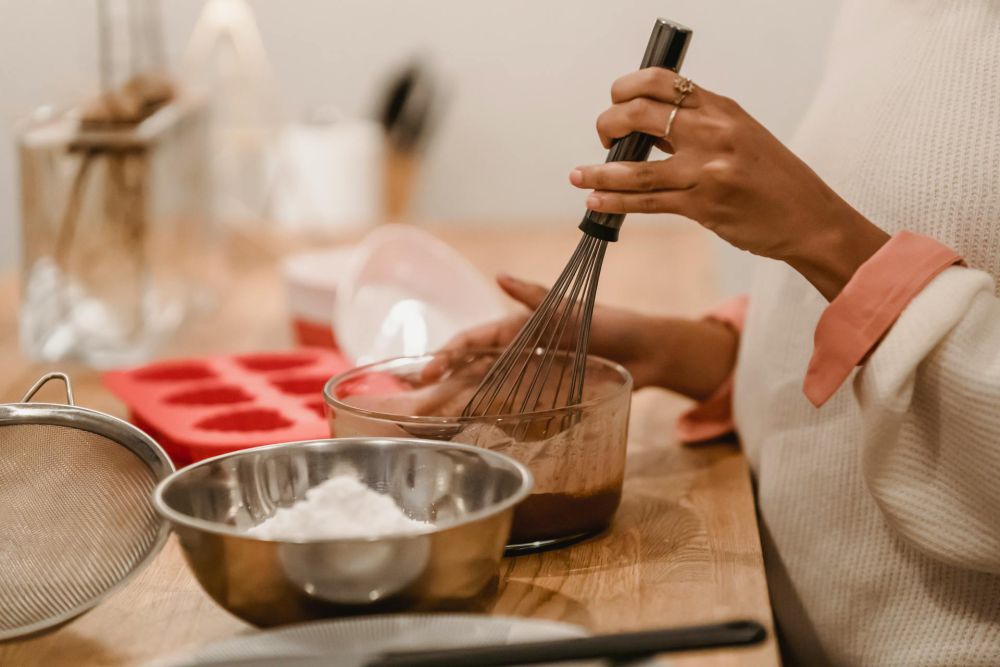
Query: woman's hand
(731,175)
(687,356)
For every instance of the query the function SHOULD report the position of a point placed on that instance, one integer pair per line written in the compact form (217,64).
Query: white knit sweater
(880,512)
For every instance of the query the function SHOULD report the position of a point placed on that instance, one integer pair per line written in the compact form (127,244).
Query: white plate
(349,642)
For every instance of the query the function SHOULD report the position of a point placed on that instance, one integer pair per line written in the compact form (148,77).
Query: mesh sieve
(76,517)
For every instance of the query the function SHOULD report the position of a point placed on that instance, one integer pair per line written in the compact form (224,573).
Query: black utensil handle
(625,645)
(666,48)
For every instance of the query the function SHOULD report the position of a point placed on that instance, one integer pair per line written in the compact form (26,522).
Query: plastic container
(311,281)
(576,454)
(404,292)
(400,291)
(199,408)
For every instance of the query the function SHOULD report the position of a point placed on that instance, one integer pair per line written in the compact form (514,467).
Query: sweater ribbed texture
(880,511)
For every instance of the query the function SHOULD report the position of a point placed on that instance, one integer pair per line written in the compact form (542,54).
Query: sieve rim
(121,433)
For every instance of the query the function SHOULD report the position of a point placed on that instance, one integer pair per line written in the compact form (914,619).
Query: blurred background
(520,82)
(154,153)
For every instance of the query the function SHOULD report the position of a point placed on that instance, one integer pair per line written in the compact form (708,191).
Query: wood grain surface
(684,547)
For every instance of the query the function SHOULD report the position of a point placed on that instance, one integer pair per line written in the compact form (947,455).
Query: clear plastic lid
(404,292)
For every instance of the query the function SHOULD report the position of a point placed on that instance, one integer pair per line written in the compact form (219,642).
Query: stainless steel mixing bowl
(467,494)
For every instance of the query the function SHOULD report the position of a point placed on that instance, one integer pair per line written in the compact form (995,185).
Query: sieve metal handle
(42,381)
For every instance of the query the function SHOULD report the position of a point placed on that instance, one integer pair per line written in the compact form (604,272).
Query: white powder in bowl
(341,507)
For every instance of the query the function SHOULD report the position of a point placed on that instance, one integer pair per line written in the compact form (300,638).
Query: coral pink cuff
(713,417)
(857,319)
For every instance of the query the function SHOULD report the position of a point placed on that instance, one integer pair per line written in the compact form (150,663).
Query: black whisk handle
(667,45)
(666,48)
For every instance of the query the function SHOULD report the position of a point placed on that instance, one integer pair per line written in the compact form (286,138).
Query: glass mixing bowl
(576,453)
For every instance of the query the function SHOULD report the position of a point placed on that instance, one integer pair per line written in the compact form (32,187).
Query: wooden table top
(684,547)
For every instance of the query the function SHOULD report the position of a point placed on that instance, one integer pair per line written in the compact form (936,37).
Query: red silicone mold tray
(199,408)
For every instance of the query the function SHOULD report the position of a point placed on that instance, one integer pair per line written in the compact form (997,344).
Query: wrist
(692,357)
(835,254)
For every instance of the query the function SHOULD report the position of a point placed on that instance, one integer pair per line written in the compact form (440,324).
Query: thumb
(530,294)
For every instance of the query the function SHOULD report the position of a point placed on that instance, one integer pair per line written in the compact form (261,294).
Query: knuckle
(723,132)
(728,104)
(636,109)
(644,177)
(665,78)
(601,125)
(655,78)
(648,204)
(720,173)
(618,89)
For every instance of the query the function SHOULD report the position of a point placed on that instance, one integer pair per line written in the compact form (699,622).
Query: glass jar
(576,453)
(114,224)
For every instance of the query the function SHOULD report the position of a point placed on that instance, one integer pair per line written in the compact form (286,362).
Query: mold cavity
(370,384)
(350,387)
(219,395)
(174,372)
(265,363)
(318,407)
(301,386)
(245,420)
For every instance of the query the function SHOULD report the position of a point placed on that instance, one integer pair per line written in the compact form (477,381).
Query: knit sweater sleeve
(930,400)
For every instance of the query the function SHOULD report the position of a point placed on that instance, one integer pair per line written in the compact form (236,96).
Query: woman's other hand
(691,357)
(731,175)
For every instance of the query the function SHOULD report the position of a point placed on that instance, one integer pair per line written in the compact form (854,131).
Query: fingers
(667,201)
(530,294)
(489,335)
(500,332)
(655,83)
(640,115)
(435,368)
(675,173)
(492,334)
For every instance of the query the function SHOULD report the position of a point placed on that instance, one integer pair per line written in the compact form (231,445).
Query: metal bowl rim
(331,401)
(175,517)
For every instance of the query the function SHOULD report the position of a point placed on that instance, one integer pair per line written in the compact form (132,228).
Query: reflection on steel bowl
(576,453)
(467,496)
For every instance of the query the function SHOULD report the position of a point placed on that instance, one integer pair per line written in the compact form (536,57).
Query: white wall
(528,77)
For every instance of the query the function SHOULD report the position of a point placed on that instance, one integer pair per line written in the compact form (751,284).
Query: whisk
(544,366)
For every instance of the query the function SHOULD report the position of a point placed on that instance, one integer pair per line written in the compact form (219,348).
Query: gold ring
(670,121)
(684,87)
